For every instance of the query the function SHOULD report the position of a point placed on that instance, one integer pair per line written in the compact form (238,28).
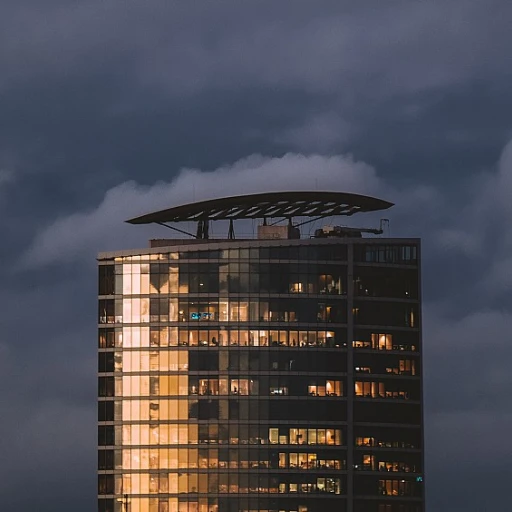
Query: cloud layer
(407,47)
(102,228)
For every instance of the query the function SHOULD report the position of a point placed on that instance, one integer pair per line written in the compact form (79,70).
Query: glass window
(273,435)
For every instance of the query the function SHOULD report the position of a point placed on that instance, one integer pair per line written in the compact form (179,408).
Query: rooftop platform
(273,204)
(313,205)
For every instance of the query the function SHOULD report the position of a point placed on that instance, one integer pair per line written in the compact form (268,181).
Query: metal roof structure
(284,205)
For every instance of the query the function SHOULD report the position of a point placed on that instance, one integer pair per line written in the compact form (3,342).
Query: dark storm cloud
(94,94)
(189,47)
(48,400)
(117,67)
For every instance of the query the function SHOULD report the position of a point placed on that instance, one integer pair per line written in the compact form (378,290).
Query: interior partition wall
(278,376)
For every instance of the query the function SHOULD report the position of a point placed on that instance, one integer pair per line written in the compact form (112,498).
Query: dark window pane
(106,410)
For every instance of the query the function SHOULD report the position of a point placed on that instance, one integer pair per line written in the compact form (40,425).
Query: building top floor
(385,250)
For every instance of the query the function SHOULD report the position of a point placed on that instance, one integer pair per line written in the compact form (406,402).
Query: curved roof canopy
(272,204)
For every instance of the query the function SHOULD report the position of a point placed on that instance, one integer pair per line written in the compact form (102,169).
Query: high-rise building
(279,372)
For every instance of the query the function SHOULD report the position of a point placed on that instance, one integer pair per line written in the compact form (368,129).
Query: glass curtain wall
(225,383)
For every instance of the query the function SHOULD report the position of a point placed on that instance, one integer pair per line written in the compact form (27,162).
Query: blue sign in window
(201,316)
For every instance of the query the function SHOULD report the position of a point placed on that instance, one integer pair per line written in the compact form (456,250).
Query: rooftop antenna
(231,232)
(384,225)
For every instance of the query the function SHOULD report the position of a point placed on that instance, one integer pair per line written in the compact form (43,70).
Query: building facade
(276,375)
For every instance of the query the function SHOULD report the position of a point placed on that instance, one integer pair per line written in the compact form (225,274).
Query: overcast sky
(109,109)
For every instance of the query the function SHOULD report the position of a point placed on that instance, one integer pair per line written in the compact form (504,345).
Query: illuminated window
(296,288)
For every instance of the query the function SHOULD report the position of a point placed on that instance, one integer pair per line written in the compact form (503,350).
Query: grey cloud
(481,225)
(453,431)
(46,448)
(6,176)
(319,133)
(467,419)
(463,373)
(459,241)
(498,277)
(469,471)
(48,367)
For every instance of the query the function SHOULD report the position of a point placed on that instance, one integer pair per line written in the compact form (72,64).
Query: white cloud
(81,234)
(449,228)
